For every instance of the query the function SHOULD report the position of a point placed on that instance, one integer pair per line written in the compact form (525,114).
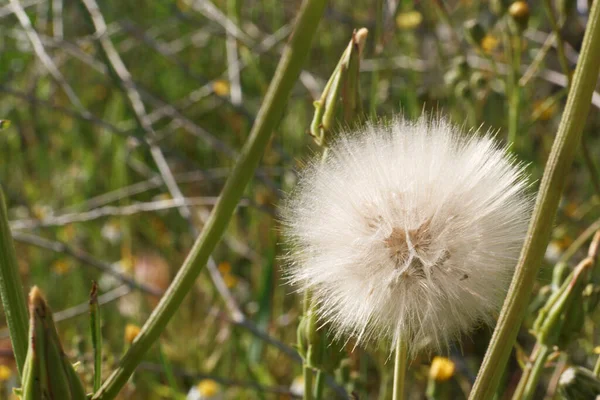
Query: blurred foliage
(57,158)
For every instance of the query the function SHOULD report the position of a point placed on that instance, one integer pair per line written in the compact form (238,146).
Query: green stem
(597,367)
(400,362)
(269,115)
(319,385)
(514,104)
(11,290)
(96,333)
(531,374)
(540,228)
(560,46)
(589,162)
(308,379)
(378,45)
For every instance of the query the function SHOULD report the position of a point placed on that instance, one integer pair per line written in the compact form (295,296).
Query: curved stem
(269,115)
(400,362)
(540,228)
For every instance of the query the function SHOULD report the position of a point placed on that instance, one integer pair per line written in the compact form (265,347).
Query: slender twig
(85,258)
(109,211)
(38,47)
(553,182)
(144,186)
(84,308)
(228,382)
(233,61)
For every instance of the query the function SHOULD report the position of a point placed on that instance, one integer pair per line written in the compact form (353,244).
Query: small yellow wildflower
(131,332)
(208,388)
(221,87)
(5,373)
(225,268)
(61,267)
(544,109)
(230,279)
(441,369)
(489,43)
(409,20)
(597,350)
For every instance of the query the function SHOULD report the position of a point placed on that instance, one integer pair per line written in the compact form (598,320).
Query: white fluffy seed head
(409,229)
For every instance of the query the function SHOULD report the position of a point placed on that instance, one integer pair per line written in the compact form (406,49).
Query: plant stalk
(531,374)
(540,228)
(11,290)
(268,116)
(400,364)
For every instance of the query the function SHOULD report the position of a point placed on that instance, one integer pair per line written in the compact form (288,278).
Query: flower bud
(519,15)
(578,383)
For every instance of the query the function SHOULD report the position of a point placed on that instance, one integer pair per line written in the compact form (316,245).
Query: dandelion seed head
(407,229)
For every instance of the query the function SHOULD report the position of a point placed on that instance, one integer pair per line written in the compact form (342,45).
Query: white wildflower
(408,230)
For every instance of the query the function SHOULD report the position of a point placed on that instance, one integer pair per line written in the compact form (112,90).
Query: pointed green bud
(342,85)
(48,374)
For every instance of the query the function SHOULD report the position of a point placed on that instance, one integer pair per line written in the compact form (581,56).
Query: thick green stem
(269,115)
(307,373)
(400,363)
(11,290)
(540,228)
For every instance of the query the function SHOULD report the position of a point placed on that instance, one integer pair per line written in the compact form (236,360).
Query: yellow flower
(409,20)
(545,109)
(221,87)
(5,373)
(131,331)
(489,43)
(442,369)
(61,267)
(224,268)
(208,388)
(229,278)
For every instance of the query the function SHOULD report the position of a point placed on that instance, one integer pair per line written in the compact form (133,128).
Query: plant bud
(578,383)
(519,15)
(47,372)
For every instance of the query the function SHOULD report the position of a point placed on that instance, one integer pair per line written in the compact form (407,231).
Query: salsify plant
(408,231)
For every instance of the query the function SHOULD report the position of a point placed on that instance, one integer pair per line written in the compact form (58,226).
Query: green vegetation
(121,124)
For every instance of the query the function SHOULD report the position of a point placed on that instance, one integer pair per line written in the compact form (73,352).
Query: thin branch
(108,211)
(38,48)
(85,258)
